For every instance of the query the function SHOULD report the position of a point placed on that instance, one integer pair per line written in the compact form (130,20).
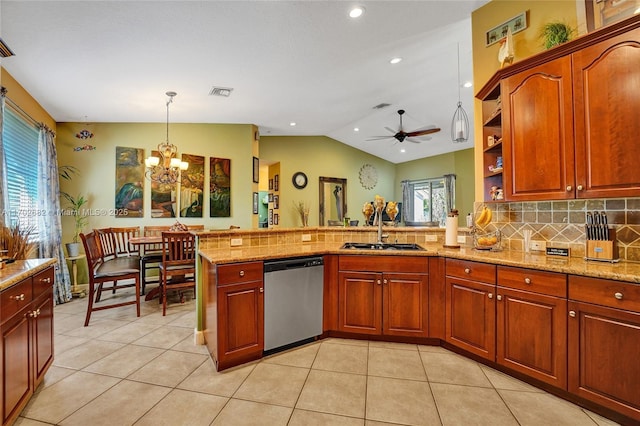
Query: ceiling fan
(401,135)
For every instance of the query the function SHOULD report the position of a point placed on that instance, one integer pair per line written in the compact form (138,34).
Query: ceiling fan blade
(393,132)
(423,132)
(379,138)
(413,140)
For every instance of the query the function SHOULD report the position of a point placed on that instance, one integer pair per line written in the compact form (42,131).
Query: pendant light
(460,121)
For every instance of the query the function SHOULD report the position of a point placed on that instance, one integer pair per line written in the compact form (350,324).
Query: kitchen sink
(381,246)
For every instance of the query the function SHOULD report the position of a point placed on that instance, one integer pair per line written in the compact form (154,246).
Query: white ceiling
(301,61)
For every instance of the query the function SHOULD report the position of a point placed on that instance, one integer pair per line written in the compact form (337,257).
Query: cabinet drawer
(42,282)
(550,283)
(416,264)
(615,294)
(469,270)
(239,273)
(15,298)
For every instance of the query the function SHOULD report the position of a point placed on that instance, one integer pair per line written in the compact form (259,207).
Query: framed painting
(220,187)
(256,170)
(129,196)
(276,183)
(163,197)
(517,24)
(255,203)
(270,216)
(601,13)
(192,186)
(276,218)
(270,184)
(276,202)
(270,197)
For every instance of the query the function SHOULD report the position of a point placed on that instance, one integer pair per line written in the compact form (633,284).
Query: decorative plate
(299,180)
(368,176)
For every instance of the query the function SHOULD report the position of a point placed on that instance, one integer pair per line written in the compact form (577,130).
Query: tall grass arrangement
(16,240)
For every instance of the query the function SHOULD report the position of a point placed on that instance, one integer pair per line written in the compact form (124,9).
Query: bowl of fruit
(487,241)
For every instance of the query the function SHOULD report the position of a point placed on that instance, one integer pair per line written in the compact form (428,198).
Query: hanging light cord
(459,102)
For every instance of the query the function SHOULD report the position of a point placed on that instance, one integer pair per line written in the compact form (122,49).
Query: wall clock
(368,176)
(299,180)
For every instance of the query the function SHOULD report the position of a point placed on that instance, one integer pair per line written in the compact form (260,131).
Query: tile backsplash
(561,223)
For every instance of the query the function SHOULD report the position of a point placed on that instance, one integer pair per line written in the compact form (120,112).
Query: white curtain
(4,218)
(49,223)
(450,191)
(406,201)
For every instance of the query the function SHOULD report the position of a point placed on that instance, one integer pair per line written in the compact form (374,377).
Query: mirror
(333,201)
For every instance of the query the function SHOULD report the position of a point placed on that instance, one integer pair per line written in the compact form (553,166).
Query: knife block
(603,250)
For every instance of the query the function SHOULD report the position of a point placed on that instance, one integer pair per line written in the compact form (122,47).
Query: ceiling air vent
(220,91)
(382,105)
(5,52)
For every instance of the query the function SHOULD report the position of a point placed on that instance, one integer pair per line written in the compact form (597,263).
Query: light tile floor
(124,370)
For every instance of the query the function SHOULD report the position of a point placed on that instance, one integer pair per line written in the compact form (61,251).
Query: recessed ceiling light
(293,123)
(395,60)
(403,150)
(356,129)
(356,12)
(467,84)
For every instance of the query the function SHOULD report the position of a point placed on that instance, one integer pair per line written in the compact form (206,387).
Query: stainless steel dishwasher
(293,291)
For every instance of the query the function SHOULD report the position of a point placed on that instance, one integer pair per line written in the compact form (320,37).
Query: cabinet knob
(499,297)
(385,281)
(579,187)
(46,280)
(618,296)
(19,297)
(261,289)
(378,282)
(527,280)
(34,314)
(467,270)
(569,188)
(572,314)
(242,273)
(490,295)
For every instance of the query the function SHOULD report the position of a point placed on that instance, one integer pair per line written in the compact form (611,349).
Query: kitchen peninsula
(546,320)
(26,325)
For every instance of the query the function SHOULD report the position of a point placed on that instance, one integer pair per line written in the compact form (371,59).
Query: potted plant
(75,206)
(16,241)
(555,33)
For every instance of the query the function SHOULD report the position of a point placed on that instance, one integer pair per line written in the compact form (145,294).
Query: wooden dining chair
(113,270)
(121,237)
(151,255)
(107,245)
(178,267)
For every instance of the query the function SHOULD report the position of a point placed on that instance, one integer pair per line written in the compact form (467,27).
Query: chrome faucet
(381,236)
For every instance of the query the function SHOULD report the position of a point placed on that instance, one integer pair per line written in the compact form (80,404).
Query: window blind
(20,140)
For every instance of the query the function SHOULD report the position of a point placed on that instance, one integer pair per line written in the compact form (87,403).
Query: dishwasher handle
(294,263)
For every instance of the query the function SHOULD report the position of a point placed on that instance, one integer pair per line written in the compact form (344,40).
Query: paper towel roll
(451,232)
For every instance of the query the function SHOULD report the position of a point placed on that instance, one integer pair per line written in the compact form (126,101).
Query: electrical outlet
(462,239)
(236,242)
(306,237)
(538,245)
(431,238)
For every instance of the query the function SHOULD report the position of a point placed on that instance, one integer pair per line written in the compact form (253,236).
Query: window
(20,140)
(426,201)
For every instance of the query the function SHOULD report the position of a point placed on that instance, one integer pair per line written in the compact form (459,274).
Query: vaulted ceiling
(306,62)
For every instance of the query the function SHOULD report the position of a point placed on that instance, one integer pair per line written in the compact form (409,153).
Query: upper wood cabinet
(569,119)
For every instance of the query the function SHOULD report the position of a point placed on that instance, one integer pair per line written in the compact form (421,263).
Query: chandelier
(460,121)
(166,168)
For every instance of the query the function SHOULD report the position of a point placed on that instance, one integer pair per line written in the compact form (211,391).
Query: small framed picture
(276,217)
(276,202)
(256,169)
(276,185)
(271,197)
(255,203)
(270,184)
(270,216)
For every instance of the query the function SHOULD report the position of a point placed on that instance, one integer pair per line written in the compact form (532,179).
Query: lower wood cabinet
(604,343)
(388,302)
(531,333)
(470,307)
(27,340)
(234,312)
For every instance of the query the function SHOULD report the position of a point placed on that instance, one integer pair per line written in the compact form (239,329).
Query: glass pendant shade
(460,125)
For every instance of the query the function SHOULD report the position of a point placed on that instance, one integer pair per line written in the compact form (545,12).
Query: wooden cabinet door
(471,316)
(606,79)
(538,140)
(42,335)
(532,335)
(240,323)
(604,344)
(405,303)
(16,365)
(360,302)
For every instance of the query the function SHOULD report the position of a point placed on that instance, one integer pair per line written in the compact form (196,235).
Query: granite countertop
(622,271)
(15,272)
